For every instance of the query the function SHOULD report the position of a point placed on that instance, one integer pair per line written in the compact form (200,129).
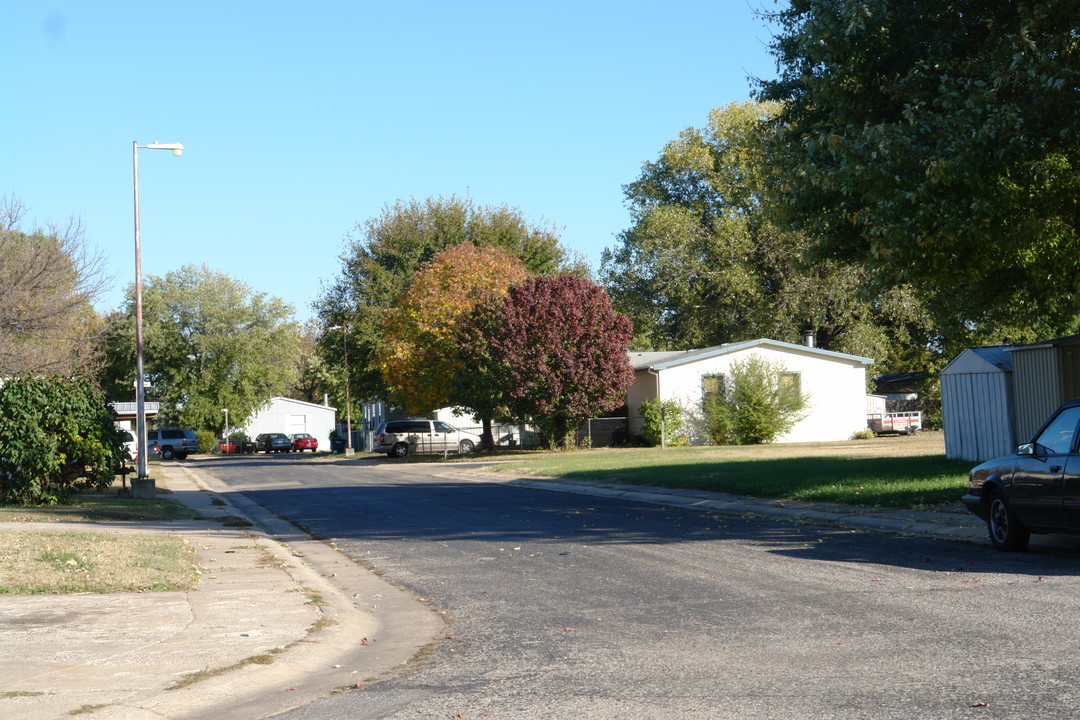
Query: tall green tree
(938,143)
(704,263)
(385,252)
(210,342)
(315,379)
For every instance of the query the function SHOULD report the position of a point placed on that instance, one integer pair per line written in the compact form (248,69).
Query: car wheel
(167,453)
(465,446)
(1006,532)
(400,450)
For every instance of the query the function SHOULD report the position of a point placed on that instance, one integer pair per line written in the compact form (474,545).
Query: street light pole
(344,328)
(140,379)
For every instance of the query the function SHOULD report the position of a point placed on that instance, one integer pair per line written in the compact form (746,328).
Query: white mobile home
(835,383)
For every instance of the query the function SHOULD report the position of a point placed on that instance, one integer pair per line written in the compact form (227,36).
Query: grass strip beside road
(73,562)
(897,472)
(99,507)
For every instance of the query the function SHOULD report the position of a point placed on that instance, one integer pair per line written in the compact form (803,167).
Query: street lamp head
(177,148)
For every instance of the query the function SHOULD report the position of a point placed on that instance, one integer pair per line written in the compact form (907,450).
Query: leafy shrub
(720,419)
(756,406)
(206,440)
(57,437)
(667,416)
(864,434)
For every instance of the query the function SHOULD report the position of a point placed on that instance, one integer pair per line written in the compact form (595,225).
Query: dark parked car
(273,442)
(171,443)
(1034,490)
(304,441)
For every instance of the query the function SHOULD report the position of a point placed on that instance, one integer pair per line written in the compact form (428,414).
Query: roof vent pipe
(809,338)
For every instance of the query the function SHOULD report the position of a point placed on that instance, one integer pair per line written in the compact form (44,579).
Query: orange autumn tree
(419,356)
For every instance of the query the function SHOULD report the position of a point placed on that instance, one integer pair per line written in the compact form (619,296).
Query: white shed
(835,383)
(288,416)
(977,404)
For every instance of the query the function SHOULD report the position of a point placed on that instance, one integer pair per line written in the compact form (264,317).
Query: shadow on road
(411,507)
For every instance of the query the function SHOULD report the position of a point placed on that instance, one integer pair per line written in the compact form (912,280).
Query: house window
(711,385)
(790,384)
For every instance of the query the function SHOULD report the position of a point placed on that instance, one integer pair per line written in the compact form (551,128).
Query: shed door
(297,424)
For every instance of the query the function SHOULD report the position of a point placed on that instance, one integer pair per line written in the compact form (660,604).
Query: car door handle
(1055,468)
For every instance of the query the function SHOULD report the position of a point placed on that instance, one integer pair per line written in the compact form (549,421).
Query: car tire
(167,453)
(1006,532)
(399,450)
(465,446)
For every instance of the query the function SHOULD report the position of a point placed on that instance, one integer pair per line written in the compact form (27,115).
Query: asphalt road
(562,606)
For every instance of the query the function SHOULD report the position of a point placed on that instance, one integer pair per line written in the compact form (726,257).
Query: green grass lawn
(889,472)
(99,507)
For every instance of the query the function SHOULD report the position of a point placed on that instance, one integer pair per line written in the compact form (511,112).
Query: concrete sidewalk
(276,620)
(271,594)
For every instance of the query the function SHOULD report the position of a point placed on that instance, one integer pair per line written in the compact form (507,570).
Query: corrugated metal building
(1046,375)
(993,398)
(977,406)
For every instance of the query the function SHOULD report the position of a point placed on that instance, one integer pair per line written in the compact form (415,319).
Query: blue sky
(302,119)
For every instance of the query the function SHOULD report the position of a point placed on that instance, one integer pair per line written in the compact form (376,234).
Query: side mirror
(1027,449)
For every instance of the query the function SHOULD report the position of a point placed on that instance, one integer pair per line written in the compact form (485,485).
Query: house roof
(989,359)
(302,402)
(665,360)
(1054,342)
(899,382)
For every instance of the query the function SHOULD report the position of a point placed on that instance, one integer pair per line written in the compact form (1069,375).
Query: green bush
(756,406)
(720,419)
(57,436)
(206,439)
(672,422)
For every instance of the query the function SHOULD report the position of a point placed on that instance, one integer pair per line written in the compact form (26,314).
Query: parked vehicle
(1034,490)
(273,442)
(132,445)
(172,443)
(303,441)
(900,423)
(398,438)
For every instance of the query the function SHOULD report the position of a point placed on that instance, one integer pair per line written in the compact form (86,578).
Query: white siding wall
(836,390)
(293,416)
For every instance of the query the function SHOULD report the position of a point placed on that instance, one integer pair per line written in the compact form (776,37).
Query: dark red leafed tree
(564,354)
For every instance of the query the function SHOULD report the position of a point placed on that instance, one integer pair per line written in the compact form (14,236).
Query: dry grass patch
(63,562)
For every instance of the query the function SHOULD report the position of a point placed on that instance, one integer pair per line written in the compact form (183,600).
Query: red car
(303,441)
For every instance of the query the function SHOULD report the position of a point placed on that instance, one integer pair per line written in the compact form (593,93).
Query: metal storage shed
(977,404)
(1046,374)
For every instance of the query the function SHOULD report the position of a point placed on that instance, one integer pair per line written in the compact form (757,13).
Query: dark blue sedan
(273,442)
(1034,490)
